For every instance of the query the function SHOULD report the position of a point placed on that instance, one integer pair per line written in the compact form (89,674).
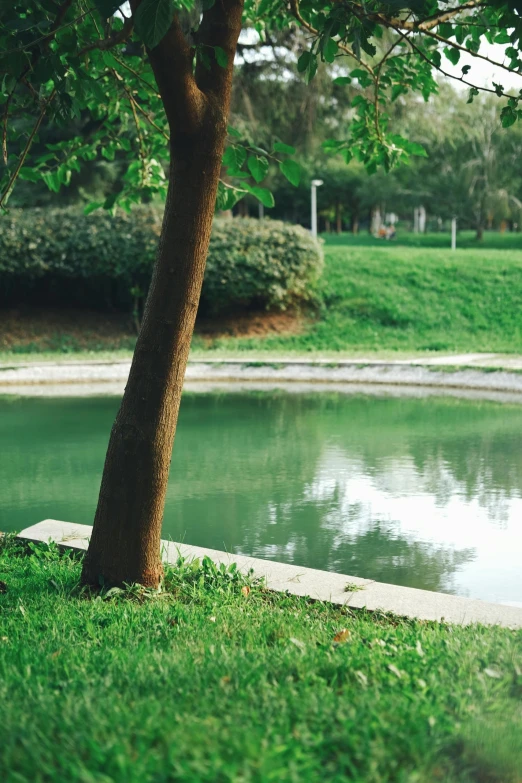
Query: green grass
(211,682)
(387,297)
(492,240)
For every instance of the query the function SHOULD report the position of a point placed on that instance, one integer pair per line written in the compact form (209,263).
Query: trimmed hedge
(100,260)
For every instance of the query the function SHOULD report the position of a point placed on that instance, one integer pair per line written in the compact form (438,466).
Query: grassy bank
(388,297)
(219,680)
(405,296)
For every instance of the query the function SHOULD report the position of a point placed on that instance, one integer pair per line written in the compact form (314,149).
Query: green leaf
(52,180)
(262,194)
(436,59)
(279,146)
(416,149)
(332,145)
(466,69)
(408,146)
(302,63)
(343,80)
(110,201)
(227,197)
(445,30)
(307,64)
(452,54)
(233,132)
(221,56)
(264,6)
(107,7)
(330,49)
(152,20)
(291,170)
(30,174)
(92,206)
(234,157)
(258,167)
(508,117)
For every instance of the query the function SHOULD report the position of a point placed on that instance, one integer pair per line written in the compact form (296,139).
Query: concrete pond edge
(446,375)
(338,589)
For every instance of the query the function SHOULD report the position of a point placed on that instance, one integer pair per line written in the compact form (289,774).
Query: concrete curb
(399,373)
(339,589)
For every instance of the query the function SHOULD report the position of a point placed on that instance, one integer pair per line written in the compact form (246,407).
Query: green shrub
(266,263)
(104,260)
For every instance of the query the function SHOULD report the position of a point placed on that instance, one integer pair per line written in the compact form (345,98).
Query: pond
(422,492)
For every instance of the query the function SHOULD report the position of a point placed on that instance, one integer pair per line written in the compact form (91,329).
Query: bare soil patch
(254,324)
(28,330)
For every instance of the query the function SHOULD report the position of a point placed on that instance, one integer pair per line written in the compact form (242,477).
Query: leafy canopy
(84,65)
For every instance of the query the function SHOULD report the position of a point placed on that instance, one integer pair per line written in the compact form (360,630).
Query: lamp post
(316,183)
(454,233)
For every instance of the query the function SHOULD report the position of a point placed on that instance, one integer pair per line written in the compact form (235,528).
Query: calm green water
(419,492)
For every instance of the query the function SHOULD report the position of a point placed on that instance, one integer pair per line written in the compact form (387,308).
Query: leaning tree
(150,81)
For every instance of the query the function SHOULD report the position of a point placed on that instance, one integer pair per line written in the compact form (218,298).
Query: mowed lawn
(217,679)
(378,296)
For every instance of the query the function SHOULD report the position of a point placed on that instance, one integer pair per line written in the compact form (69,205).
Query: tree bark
(480,232)
(338,218)
(125,543)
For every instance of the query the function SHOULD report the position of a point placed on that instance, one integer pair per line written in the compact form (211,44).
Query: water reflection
(419,492)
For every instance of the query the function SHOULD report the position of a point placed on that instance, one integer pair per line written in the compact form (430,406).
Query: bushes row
(66,257)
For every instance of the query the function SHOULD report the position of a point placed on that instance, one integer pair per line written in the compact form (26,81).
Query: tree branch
(113,40)
(451,76)
(219,29)
(171,62)
(294,7)
(21,160)
(455,45)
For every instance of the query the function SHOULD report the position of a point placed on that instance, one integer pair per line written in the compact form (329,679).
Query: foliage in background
(109,258)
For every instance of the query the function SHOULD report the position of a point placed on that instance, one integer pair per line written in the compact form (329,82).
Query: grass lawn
(382,296)
(409,296)
(218,680)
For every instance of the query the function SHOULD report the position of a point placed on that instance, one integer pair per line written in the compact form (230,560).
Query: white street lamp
(453,233)
(316,183)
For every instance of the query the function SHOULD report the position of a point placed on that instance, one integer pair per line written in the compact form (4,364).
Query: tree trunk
(480,232)
(355,224)
(338,218)
(125,543)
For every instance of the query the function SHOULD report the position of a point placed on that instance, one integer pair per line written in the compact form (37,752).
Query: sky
(483,73)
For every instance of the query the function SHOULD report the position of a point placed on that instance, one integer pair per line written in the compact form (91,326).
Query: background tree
(156,84)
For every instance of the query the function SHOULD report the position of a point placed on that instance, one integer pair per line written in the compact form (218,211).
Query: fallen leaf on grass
(245,590)
(395,670)
(419,649)
(493,673)
(342,636)
(297,642)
